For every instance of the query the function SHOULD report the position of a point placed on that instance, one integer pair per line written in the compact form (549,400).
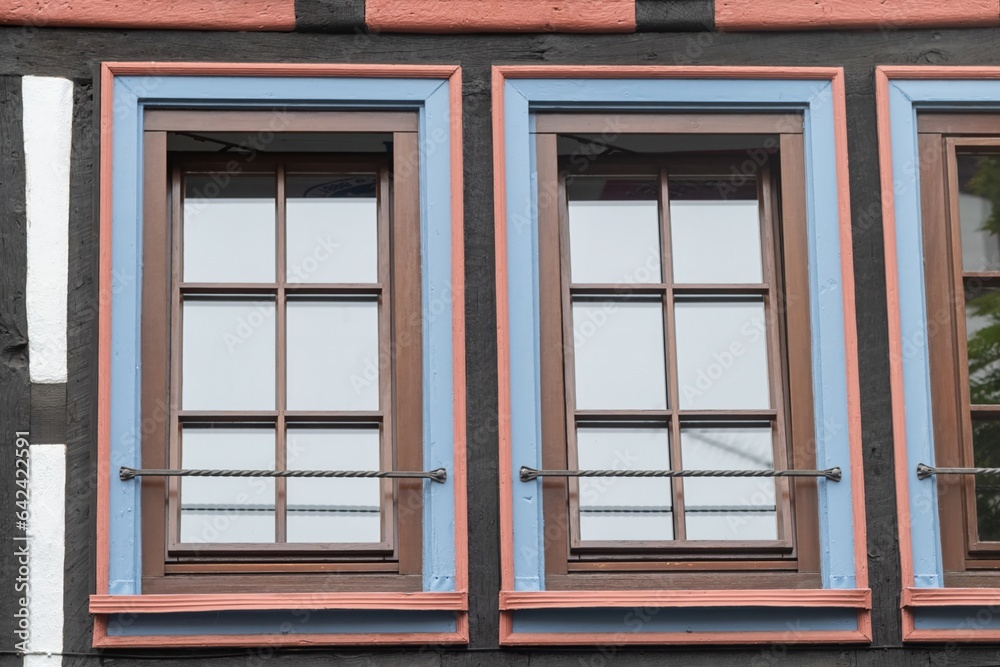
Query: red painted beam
(449,16)
(733,15)
(187,15)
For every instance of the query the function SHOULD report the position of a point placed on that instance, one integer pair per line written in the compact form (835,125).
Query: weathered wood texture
(15,385)
(48,414)
(481,359)
(330,15)
(73,53)
(674,15)
(81,387)
(190,14)
(827,14)
(444,16)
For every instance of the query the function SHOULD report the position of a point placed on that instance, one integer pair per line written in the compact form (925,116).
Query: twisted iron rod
(924,471)
(528,474)
(439,475)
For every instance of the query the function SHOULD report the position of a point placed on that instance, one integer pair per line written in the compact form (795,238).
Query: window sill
(792,597)
(151,604)
(968,626)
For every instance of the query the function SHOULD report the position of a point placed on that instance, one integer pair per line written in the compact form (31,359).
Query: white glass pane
(621,508)
(980,227)
(215,509)
(715,232)
(229,228)
(614,230)
(618,348)
(333,510)
(332,229)
(722,355)
(729,508)
(333,361)
(749,524)
(228,355)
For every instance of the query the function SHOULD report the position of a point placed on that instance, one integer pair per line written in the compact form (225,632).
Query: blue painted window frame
(523,98)
(906,99)
(429,97)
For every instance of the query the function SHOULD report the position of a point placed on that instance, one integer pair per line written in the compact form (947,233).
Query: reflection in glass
(729,508)
(722,355)
(614,230)
(982,327)
(228,355)
(332,228)
(229,228)
(618,508)
(715,231)
(978,208)
(618,347)
(333,360)
(227,509)
(986,448)
(333,510)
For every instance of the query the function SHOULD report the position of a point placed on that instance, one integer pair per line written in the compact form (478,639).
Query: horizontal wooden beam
(451,16)
(733,15)
(276,15)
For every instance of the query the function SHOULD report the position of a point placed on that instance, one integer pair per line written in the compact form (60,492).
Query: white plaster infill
(46,538)
(48,130)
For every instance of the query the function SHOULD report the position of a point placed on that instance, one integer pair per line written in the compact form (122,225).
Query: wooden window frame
(394,564)
(967,561)
(793,560)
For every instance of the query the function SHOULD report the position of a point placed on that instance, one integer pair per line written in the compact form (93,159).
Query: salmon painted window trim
(435,612)
(936,126)
(535,607)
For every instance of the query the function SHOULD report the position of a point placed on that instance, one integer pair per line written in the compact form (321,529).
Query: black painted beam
(15,384)
(674,15)
(81,387)
(48,414)
(330,15)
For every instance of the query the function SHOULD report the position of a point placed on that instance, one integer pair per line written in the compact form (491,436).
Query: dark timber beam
(330,16)
(674,15)
(15,385)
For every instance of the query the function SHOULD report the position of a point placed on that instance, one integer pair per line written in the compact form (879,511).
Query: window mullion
(780,453)
(670,353)
(176,327)
(281,484)
(386,363)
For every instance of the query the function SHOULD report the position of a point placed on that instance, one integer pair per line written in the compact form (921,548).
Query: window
(281,402)
(673,288)
(290,280)
(675,298)
(939,131)
(960,163)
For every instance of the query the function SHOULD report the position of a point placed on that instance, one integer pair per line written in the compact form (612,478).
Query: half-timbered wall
(50,61)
